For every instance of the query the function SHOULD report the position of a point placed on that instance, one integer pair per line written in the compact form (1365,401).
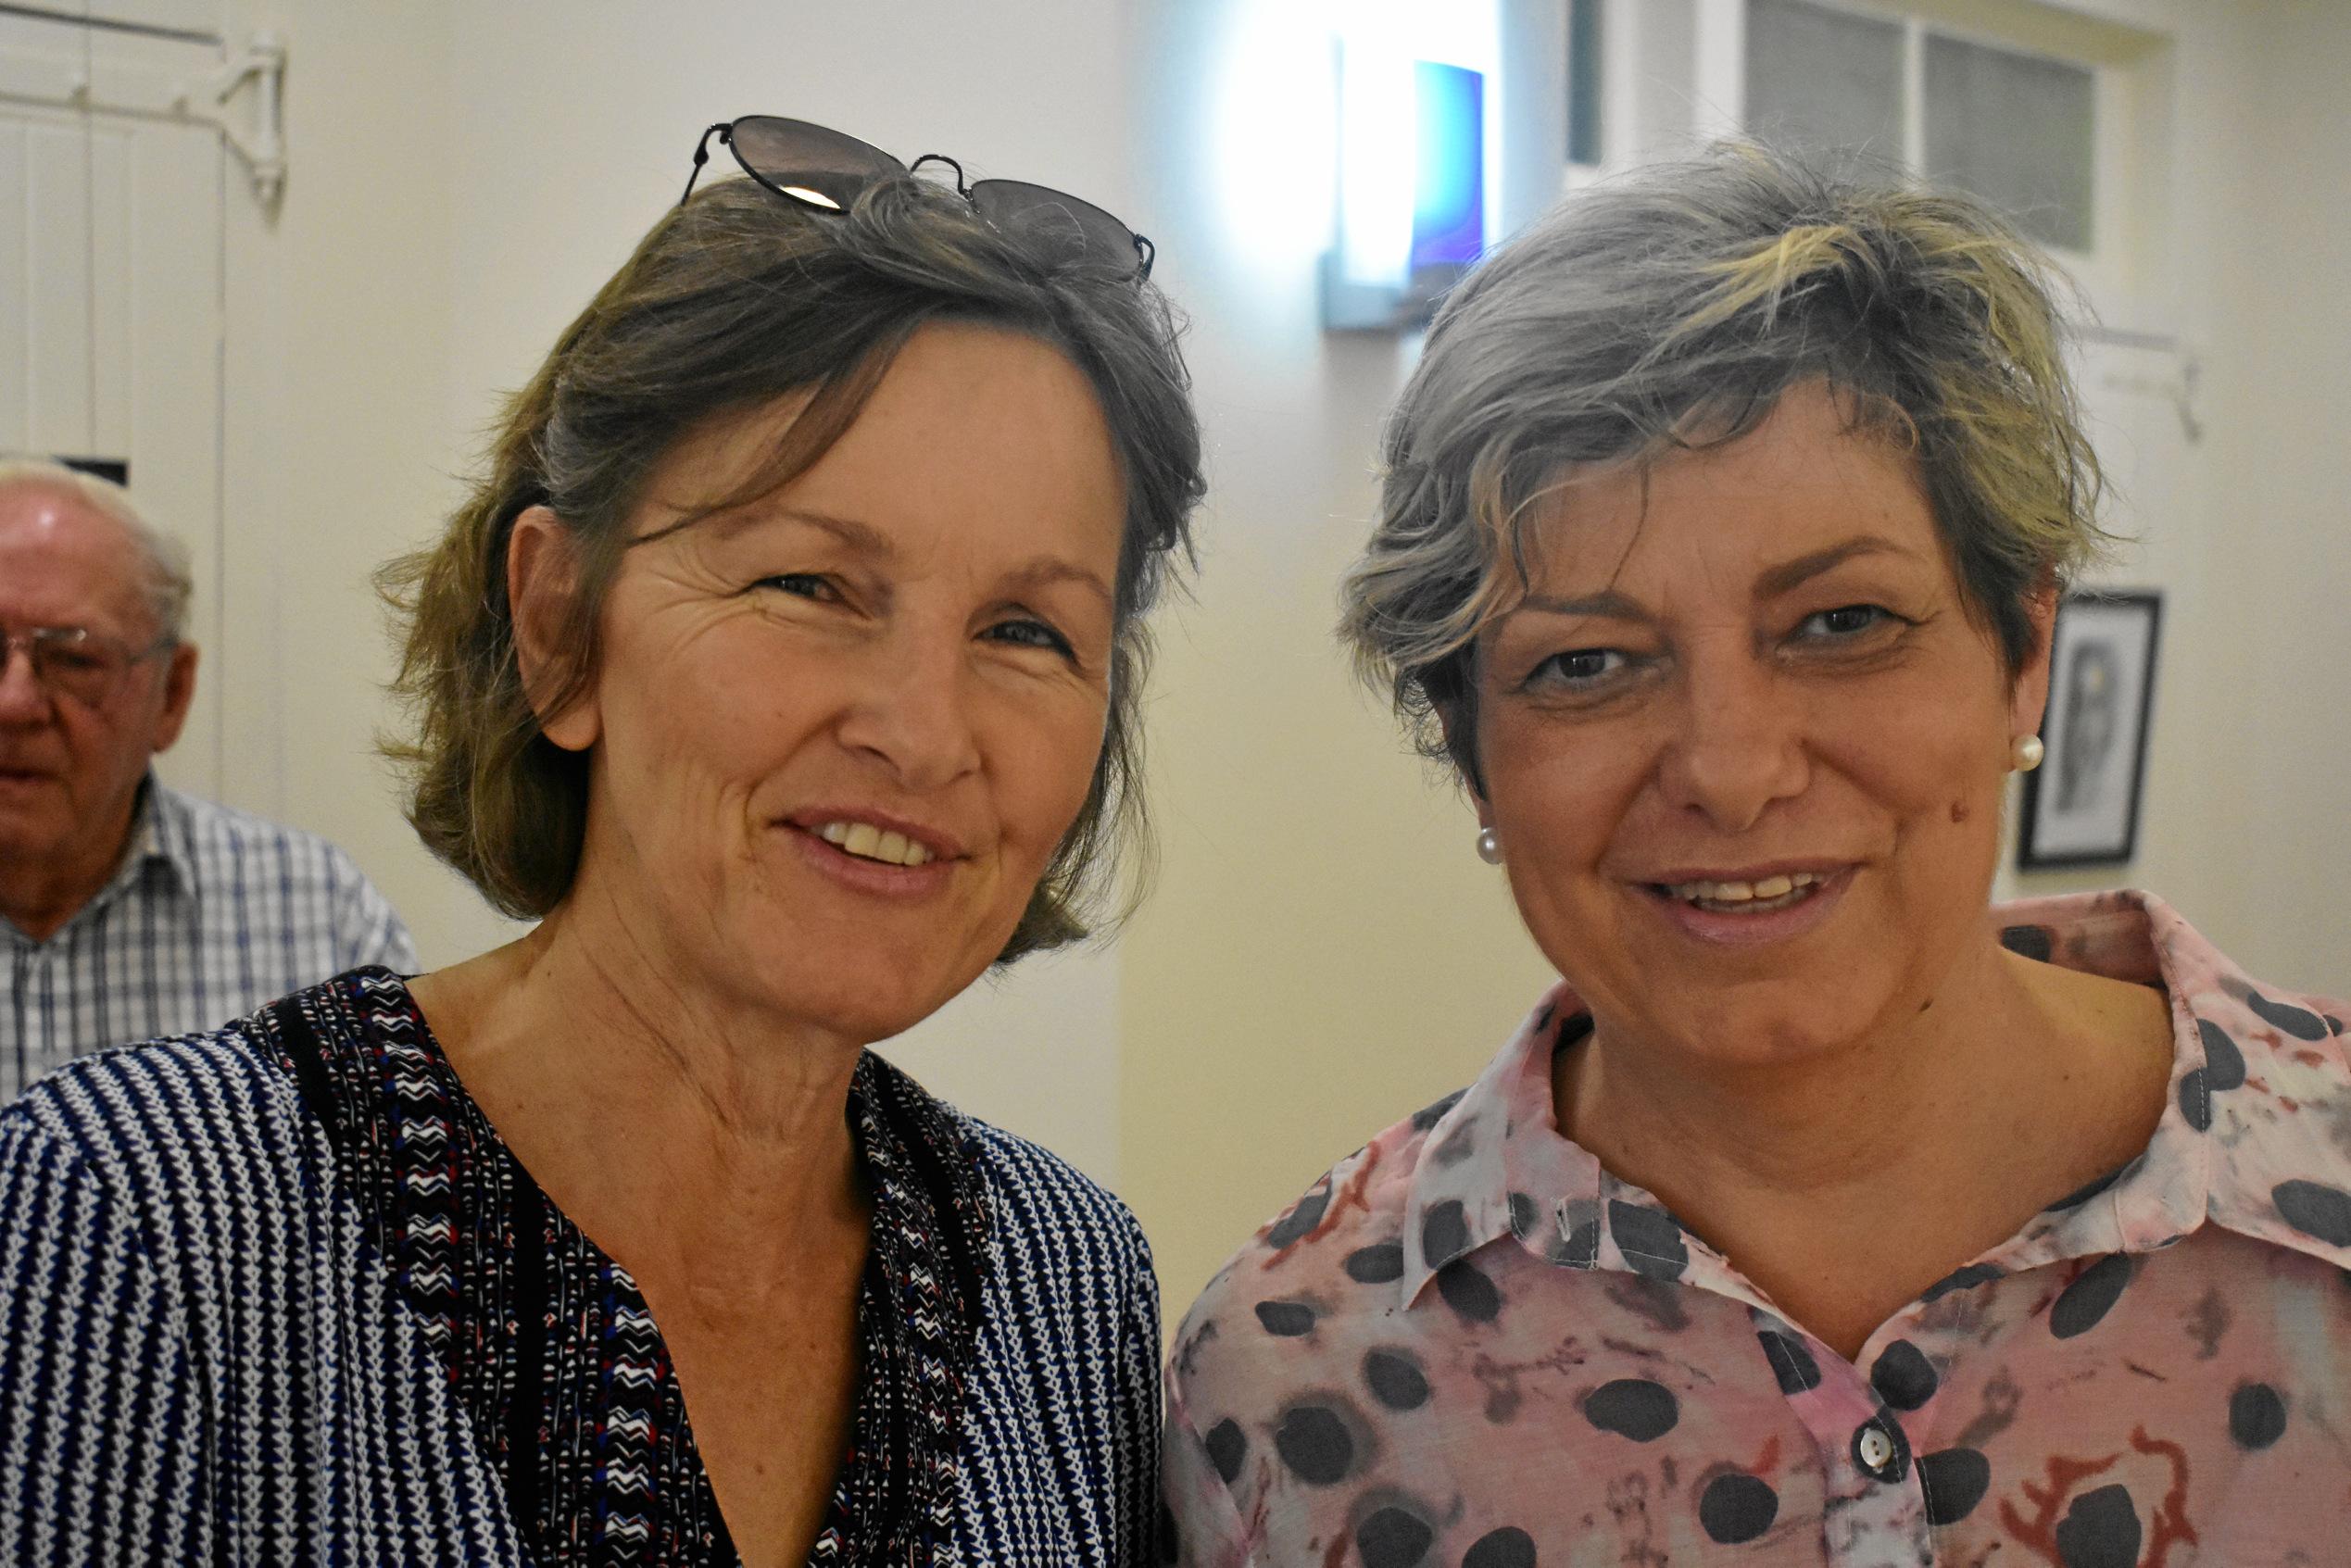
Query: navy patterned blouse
(282,1294)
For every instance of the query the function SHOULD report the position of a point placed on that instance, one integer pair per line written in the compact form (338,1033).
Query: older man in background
(129,911)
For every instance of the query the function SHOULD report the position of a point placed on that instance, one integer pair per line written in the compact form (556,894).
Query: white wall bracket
(258,142)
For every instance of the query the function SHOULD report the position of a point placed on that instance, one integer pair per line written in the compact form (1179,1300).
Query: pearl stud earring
(1489,847)
(2026,754)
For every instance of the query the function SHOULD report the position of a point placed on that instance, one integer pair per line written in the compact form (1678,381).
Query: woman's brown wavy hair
(733,300)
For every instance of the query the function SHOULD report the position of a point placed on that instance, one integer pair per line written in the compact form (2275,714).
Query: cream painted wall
(339,443)
(2283,512)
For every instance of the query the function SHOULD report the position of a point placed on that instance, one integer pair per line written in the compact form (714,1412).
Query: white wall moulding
(155,74)
(258,139)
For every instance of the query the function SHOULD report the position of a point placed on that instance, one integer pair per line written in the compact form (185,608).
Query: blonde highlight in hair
(1671,311)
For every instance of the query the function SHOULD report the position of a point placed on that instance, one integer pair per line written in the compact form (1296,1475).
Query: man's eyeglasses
(825,169)
(75,661)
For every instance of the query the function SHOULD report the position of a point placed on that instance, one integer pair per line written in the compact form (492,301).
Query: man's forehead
(62,550)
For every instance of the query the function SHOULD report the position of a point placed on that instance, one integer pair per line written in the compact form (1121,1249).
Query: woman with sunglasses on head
(1822,1214)
(784,666)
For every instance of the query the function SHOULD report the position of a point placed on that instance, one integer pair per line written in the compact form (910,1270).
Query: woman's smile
(1748,911)
(872,853)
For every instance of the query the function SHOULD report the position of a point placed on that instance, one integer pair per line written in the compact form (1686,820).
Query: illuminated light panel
(1412,187)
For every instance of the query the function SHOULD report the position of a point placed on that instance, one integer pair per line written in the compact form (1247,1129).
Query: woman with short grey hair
(1821,1214)
(783,669)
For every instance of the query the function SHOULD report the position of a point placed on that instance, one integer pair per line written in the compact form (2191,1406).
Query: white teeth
(1771,887)
(870,842)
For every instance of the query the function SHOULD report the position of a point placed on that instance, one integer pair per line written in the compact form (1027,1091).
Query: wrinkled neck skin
(39,897)
(696,1138)
(1889,1160)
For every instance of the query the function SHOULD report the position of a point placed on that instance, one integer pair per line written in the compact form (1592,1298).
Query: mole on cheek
(1959,813)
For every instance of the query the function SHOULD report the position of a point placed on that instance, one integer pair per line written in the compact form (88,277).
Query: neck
(691,1136)
(1900,1108)
(40,894)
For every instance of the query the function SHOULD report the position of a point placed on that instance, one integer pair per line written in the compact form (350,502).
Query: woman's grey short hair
(1670,310)
(733,301)
(169,568)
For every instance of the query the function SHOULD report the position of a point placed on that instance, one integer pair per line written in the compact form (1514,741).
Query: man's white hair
(169,582)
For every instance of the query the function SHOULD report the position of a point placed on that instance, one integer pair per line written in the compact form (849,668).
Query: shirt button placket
(1877,1516)
(1880,1449)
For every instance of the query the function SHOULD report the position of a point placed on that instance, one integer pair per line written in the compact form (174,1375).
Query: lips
(1777,891)
(869,843)
(1752,905)
(877,836)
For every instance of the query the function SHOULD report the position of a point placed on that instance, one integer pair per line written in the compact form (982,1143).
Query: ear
(179,693)
(542,572)
(2028,694)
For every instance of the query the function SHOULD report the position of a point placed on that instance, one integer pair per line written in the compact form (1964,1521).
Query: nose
(911,711)
(1741,745)
(23,700)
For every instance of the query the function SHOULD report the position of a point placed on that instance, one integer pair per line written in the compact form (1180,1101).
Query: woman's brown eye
(1582,666)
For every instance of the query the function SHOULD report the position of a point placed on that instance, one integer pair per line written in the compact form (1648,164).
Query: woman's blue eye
(805,585)
(1030,634)
(1845,620)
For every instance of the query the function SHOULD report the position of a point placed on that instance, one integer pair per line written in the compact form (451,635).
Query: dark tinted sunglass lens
(809,163)
(1057,222)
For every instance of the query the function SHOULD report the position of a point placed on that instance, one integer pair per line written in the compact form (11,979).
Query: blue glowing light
(1449,195)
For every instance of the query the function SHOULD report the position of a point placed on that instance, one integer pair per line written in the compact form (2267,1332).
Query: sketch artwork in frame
(2082,804)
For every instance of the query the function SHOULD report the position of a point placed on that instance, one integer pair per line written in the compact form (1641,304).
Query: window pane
(2018,130)
(1821,80)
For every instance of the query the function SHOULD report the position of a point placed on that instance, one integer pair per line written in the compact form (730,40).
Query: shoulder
(1348,1226)
(220,836)
(1048,1209)
(173,1129)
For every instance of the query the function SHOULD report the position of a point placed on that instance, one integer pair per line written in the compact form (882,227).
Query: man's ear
(2028,696)
(179,694)
(542,574)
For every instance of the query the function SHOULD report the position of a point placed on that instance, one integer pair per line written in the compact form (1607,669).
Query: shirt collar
(163,832)
(2248,1139)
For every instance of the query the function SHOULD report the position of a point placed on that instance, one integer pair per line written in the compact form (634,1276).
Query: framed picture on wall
(2082,804)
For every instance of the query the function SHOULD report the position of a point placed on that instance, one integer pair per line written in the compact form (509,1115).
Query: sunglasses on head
(824,170)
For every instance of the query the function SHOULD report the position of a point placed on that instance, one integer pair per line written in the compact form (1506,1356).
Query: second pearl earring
(2026,754)
(1489,847)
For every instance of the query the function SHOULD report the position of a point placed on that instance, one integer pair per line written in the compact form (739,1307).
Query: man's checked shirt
(213,913)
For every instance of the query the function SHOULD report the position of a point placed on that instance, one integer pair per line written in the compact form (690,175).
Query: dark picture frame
(2080,806)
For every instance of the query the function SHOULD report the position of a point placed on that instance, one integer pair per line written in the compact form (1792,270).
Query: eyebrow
(1046,571)
(1785,578)
(862,537)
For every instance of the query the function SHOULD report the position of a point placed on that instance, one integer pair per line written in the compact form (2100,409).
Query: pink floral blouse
(1469,1344)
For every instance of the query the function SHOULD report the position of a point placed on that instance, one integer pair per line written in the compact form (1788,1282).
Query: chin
(1783,1019)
